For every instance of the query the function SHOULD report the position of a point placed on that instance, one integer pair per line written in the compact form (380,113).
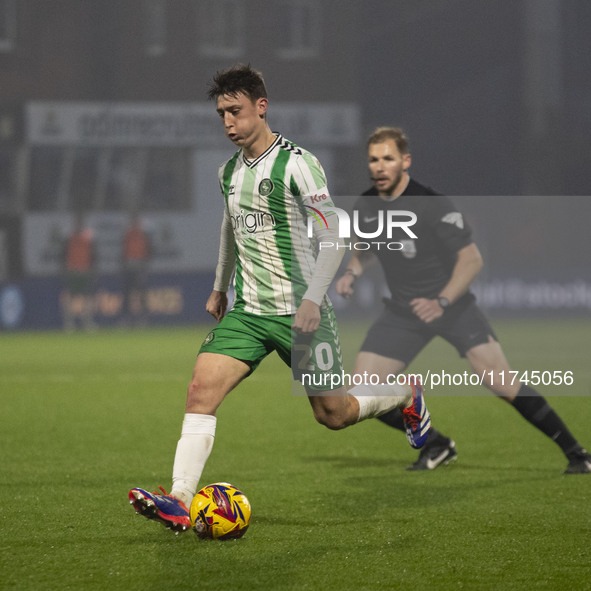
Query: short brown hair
(238,79)
(381,134)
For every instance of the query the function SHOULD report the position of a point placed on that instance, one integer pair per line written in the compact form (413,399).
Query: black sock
(436,438)
(533,408)
(393,418)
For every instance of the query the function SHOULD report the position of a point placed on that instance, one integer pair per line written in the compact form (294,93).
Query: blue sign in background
(175,298)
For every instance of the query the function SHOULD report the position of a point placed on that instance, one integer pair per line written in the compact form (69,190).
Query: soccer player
(430,280)
(280,285)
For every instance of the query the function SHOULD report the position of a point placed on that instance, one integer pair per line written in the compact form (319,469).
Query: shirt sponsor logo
(256,221)
(318,198)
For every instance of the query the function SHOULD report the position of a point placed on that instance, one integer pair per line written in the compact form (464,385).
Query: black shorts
(400,336)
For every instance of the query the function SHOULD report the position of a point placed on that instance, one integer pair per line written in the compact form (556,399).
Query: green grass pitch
(85,417)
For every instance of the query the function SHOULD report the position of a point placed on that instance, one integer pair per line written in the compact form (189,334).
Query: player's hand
(307,318)
(216,304)
(426,310)
(345,285)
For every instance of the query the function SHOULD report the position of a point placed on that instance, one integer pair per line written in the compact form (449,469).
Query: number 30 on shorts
(317,356)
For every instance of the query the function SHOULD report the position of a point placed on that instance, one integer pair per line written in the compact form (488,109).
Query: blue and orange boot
(416,417)
(164,508)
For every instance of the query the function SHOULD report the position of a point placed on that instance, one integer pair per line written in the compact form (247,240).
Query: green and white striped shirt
(264,231)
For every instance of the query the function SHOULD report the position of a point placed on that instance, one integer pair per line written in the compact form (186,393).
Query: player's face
(388,167)
(243,119)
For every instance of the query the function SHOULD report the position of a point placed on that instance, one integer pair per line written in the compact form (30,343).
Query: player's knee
(500,389)
(507,393)
(329,419)
(199,393)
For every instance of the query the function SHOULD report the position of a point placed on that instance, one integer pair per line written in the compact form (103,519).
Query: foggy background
(103,111)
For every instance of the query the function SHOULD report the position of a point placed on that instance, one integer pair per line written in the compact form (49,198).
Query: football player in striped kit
(280,282)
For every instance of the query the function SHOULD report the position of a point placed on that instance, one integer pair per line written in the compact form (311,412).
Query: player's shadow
(368,462)
(356,462)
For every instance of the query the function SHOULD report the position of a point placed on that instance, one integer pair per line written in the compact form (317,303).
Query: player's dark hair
(381,134)
(238,79)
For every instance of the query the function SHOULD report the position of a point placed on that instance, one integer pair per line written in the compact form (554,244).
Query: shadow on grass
(458,467)
(356,462)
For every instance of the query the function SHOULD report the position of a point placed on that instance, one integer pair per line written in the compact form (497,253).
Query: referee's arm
(345,284)
(468,265)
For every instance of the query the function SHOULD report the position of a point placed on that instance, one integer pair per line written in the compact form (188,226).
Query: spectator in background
(136,257)
(79,265)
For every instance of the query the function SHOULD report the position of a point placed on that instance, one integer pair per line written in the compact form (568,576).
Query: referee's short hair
(381,134)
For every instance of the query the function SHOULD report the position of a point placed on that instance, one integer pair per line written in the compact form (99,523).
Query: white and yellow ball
(220,511)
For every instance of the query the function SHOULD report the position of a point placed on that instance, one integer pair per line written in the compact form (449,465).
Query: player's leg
(88,302)
(66,300)
(390,345)
(229,353)
(214,375)
(382,366)
(489,360)
(74,300)
(142,292)
(471,333)
(127,290)
(439,450)
(339,403)
(340,408)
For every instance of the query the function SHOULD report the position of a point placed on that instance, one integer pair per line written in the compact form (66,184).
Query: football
(220,511)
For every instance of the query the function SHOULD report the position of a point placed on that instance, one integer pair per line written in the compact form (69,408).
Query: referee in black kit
(429,280)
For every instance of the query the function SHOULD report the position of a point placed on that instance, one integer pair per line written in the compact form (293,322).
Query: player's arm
(328,261)
(311,180)
(468,265)
(217,302)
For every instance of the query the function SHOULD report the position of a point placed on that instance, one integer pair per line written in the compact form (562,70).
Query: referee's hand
(427,310)
(344,285)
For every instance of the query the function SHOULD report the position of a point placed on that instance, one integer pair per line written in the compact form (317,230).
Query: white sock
(377,400)
(192,452)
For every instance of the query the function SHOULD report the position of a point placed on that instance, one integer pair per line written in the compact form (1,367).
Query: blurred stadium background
(103,111)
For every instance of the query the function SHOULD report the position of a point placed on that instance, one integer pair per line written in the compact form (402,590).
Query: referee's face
(388,168)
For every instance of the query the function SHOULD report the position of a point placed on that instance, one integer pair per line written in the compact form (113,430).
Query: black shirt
(423,265)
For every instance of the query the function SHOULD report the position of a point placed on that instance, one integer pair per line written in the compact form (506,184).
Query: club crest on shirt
(265,187)
(409,248)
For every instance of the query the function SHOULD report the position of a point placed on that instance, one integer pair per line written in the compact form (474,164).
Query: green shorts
(78,282)
(250,338)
